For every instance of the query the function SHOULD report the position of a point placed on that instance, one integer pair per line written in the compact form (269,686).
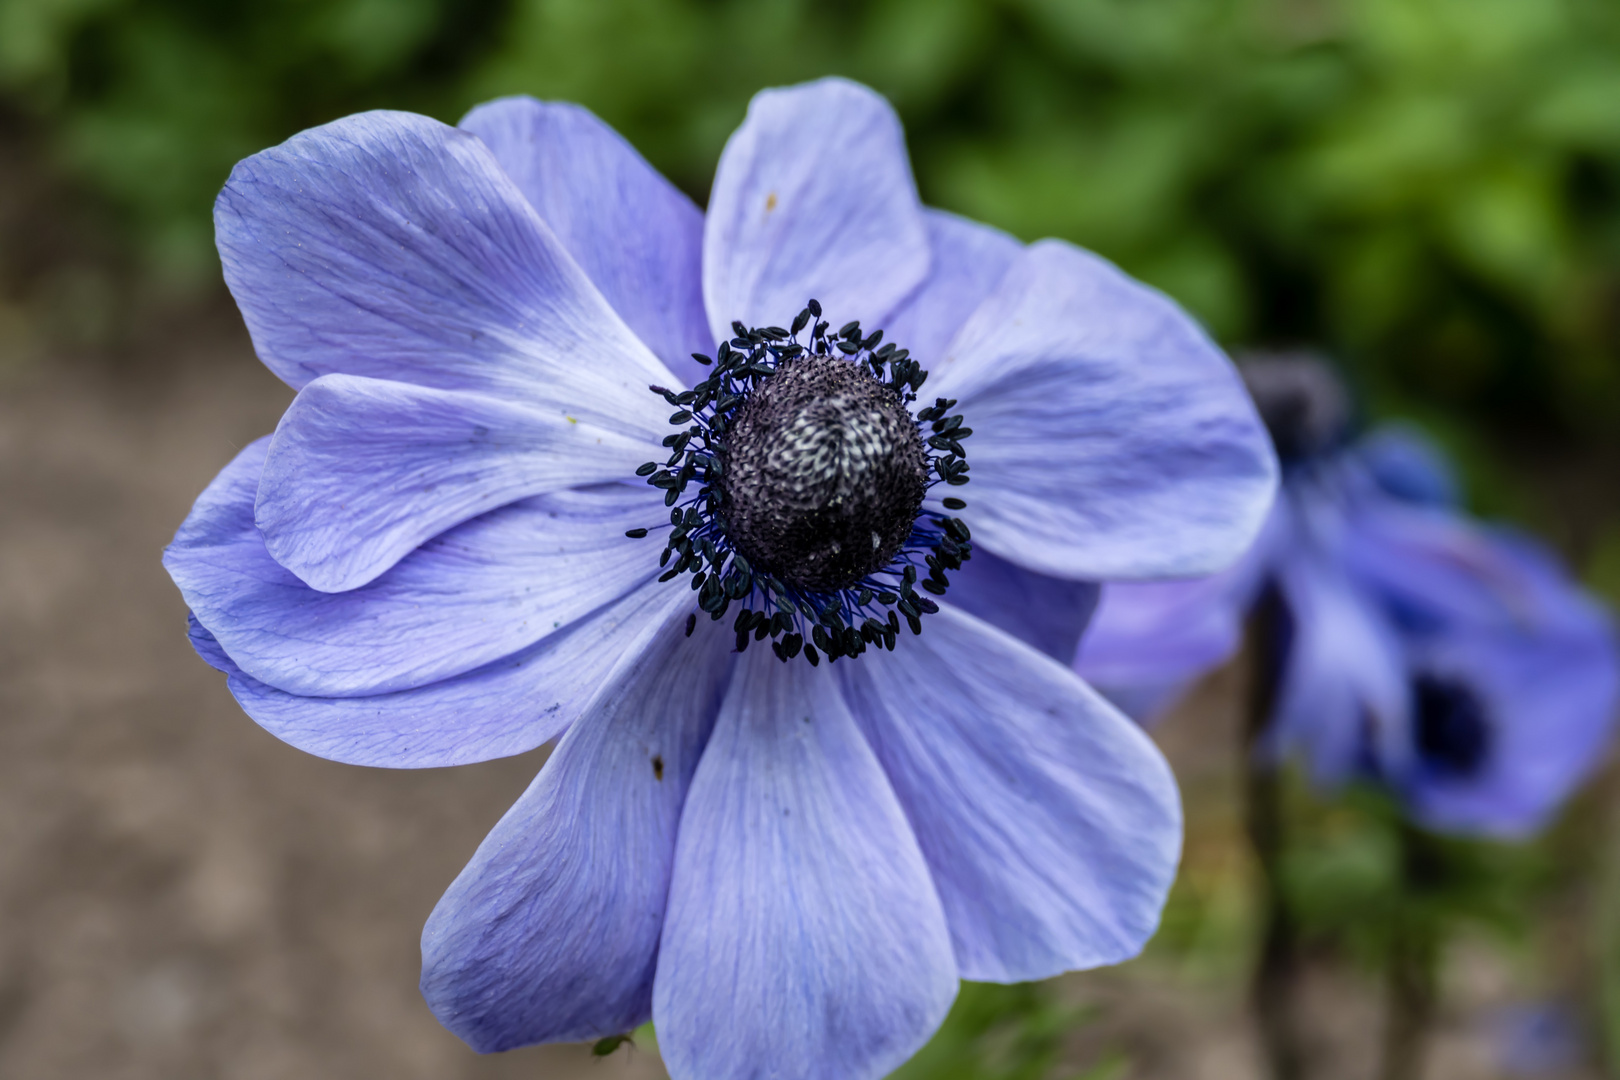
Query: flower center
(1301,401)
(824,473)
(1452,732)
(812,472)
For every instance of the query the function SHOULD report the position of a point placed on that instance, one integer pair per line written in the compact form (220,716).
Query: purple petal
(813,197)
(1403,462)
(1145,703)
(1051,822)
(208,647)
(506,707)
(1344,676)
(551,932)
(362,471)
(1438,570)
(1150,640)
(1045,613)
(1549,699)
(804,936)
(389,245)
(1491,610)
(1112,439)
(969,261)
(637,236)
(483,590)
(1163,632)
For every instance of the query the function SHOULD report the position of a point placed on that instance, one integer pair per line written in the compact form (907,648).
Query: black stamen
(810,470)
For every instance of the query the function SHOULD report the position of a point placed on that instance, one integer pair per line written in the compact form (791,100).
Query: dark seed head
(823,474)
(1301,400)
(1452,732)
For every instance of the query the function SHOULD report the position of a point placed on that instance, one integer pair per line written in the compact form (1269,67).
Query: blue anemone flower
(1452,661)
(442,555)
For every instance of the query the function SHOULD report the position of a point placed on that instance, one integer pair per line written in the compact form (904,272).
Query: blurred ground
(181,896)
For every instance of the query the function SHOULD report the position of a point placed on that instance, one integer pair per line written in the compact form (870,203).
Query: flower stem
(1607,939)
(1276,973)
(1413,955)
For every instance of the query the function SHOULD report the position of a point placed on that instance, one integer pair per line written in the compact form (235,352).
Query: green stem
(1277,971)
(1412,994)
(1607,939)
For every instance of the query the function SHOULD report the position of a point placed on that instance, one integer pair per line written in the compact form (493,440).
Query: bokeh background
(1426,190)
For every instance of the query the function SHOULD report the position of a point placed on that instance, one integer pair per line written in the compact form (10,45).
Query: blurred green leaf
(1430,189)
(1349,880)
(997,1032)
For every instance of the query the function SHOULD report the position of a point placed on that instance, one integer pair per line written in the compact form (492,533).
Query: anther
(810,472)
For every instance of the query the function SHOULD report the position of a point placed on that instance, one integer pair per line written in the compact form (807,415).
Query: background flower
(1454,662)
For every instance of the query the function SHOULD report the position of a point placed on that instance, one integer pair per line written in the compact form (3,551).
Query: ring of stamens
(826,599)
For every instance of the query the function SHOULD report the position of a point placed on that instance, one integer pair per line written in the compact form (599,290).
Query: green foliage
(1430,188)
(993,1032)
(1604,570)
(1607,944)
(604,1047)
(1357,875)
(998,1032)
(1207,931)
(150,103)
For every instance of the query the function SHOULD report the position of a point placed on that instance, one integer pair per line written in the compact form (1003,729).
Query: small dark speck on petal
(658,767)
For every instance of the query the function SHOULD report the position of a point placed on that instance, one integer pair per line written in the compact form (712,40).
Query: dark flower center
(1301,401)
(824,474)
(1452,731)
(811,472)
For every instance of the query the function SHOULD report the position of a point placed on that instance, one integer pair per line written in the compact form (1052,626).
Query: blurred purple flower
(1537,1038)
(428,563)
(1452,661)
